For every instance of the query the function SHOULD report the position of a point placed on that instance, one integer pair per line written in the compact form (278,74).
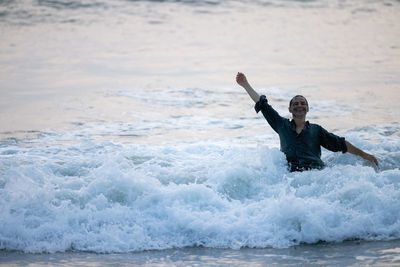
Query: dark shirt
(303,150)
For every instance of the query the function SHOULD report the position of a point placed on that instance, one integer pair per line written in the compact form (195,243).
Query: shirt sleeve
(332,142)
(270,114)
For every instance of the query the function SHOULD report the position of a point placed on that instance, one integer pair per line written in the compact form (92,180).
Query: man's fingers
(240,78)
(373,159)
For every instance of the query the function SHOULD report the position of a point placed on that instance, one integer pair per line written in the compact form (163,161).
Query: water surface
(122,128)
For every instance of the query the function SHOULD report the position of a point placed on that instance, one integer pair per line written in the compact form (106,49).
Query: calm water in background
(122,128)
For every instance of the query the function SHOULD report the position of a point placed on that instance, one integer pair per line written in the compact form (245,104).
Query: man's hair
(291,100)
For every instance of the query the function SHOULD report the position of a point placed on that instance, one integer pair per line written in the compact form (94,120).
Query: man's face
(298,106)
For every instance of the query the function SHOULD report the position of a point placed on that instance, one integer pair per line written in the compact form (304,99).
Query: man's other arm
(356,151)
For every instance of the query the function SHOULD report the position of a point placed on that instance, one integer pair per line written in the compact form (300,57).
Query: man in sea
(300,140)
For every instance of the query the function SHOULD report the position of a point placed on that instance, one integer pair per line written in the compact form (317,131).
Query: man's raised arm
(242,81)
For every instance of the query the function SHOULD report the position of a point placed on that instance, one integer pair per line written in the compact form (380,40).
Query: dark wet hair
(291,100)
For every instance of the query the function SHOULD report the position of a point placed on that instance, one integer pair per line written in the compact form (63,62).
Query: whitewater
(118,197)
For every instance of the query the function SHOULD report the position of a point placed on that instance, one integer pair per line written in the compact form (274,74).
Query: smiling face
(298,106)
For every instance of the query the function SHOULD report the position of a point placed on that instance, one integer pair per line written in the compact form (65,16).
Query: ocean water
(122,128)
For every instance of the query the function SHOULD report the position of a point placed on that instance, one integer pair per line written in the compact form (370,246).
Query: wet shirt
(303,151)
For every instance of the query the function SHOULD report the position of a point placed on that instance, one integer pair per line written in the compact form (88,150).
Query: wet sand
(349,253)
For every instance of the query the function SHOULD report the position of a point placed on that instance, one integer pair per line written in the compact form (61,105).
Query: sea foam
(118,197)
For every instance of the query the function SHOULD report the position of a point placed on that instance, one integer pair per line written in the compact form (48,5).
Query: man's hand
(241,79)
(370,158)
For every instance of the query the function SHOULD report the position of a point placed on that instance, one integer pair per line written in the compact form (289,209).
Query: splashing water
(116,197)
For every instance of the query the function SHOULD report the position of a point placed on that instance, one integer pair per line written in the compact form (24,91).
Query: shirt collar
(293,125)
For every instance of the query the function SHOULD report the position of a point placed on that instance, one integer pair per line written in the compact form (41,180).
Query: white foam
(110,197)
